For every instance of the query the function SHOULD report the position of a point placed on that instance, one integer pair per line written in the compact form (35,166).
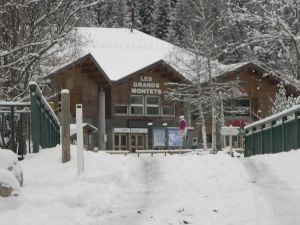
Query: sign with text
(230,131)
(146,86)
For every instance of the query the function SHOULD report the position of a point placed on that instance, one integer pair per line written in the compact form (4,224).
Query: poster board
(174,136)
(159,137)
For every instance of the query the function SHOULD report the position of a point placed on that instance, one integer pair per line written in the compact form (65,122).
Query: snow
(117,189)
(9,161)
(73,128)
(10,170)
(274,117)
(7,179)
(130,51)
(65,91)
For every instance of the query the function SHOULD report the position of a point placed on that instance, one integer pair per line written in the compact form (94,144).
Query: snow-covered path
(159,190)
(278,201)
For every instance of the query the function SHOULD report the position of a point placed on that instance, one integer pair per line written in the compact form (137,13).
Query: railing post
(252,150)
(35,118)
(262,138)
(296,142)
(284,118)
(12,127)
(272,136)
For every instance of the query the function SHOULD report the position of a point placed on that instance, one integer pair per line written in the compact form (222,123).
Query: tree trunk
(297,60)
(213,111)
(203,127)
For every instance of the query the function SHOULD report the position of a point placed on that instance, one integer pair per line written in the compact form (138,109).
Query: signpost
(80,159)
(230,131)
(182,128)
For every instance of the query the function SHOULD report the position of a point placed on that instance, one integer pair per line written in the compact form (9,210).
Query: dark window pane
(152,110)
(152,100)
(137,110)
(137,100)
(117,140)
(242,102)
(121,109)
(140,140)
(123,140)
(169,110)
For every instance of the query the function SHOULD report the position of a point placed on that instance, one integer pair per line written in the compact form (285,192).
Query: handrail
(34,87)
(46,129)
(274,117)
(277,133)
(6,104)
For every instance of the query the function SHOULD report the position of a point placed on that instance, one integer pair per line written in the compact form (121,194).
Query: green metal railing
(277,133)
(15,126)
(45,126)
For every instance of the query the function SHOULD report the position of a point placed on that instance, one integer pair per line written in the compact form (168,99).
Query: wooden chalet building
(121,82)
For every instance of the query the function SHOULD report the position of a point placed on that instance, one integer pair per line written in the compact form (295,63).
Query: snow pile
(179,189)
(9,161)
(11,175)
(7,180)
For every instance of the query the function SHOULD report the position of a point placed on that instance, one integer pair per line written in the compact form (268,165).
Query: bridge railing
(277,133)
(45,125)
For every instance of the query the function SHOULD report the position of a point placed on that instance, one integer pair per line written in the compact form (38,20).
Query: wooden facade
(84,78)
(136,104)
(256,85)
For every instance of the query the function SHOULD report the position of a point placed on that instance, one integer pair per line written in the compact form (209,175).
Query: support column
(187,114)
(101,120)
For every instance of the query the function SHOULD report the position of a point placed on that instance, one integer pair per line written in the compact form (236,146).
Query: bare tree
(273,33)
(203,37)
(29,31)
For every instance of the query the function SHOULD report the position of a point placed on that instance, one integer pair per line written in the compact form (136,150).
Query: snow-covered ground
(179,189)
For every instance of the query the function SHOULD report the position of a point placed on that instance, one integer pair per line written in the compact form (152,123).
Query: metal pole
(12,127)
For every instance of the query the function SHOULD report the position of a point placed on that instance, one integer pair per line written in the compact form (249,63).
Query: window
(121,109)
(239,107)
(168,111)
(152,105)
(137,105)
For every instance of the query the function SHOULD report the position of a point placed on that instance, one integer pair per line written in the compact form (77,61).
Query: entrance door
(120,142)
(137,142)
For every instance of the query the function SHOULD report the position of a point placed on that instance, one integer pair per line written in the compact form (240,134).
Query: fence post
(35,118)
(252,150)
(262,138)
(272,136)
(12,127)
(296,142)
(65,125)
(284,118)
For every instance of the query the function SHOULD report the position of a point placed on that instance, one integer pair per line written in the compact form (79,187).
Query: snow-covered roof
(121,52)
(73,128)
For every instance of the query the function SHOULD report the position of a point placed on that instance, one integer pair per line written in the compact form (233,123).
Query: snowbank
(11,176)
(9,161)
(8,180)
(190,188)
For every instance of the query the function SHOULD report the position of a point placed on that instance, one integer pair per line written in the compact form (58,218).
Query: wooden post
(65,125)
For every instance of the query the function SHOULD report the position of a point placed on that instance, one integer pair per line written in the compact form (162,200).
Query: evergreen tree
(282,101)
(180,23)
(112,13)
(146,12)
(162,19)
